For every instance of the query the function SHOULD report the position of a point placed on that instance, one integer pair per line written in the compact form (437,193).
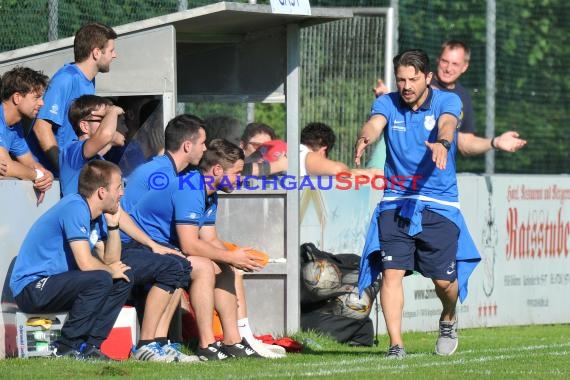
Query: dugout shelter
(223,52)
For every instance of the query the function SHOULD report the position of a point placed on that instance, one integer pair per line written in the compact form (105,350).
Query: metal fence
(339,63)
(532,87)
(342,60)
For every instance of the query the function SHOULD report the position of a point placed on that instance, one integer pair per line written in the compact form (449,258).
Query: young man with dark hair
(185,145)
(183,213)
(22,91)
(94,120)
(56,271)
(94,49)
(417,225)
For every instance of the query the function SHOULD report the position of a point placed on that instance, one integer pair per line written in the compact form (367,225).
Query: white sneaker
(152,352)
(173,350)
(274,348)
(266,350)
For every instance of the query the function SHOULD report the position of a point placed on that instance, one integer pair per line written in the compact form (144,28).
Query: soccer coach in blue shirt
(419,222)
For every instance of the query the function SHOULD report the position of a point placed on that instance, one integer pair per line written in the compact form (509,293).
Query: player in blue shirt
(185,144)
(189,132)
(94,49)
(182,212)
(56,270)
(95,121)
(22,90)
(418,216)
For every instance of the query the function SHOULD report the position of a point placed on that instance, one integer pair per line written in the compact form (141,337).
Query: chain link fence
(342,60)
(532,81)
(339,63)
(30,22)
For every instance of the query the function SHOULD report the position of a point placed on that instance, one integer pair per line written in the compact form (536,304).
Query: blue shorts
(432,252)
(168,272)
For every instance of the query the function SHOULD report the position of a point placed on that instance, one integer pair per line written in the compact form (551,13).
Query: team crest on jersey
(429,122)
(93,237)
(54,109)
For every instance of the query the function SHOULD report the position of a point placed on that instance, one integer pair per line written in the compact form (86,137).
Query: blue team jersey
(184,201)
(71,161)
(407,155)
(46,250)
(66,85)
(12,136)
(149,176)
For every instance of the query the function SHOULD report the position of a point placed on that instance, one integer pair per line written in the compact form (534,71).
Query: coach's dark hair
(82,107)
(96,174)
(182,128)
(318,135)
(223,152)
(91,36)
(22,80)
(253,129)
(415,58)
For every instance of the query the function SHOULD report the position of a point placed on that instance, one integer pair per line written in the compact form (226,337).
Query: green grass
(529,352)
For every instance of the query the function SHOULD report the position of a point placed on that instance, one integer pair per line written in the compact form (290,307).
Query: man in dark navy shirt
(453,61)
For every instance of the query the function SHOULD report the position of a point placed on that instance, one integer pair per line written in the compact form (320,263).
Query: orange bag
(261,257)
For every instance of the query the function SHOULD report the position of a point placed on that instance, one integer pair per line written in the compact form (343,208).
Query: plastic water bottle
(46,335)
(40,340)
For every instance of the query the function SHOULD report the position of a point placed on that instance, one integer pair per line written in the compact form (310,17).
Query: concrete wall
(18,211)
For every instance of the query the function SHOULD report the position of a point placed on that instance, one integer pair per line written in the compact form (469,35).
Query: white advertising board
(521,225)
(294,7)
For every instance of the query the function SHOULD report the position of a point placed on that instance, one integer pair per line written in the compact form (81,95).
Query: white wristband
(39,174)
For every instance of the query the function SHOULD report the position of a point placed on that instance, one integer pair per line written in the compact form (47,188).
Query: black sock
(144,343)
(161,340)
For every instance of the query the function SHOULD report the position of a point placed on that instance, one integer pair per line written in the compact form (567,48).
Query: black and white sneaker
(214,351)
(93,353)
(62,350)
(242,350)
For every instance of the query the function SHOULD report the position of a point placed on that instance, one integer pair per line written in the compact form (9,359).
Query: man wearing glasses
(94,120)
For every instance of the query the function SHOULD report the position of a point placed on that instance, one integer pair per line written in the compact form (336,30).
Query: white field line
(369,362)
